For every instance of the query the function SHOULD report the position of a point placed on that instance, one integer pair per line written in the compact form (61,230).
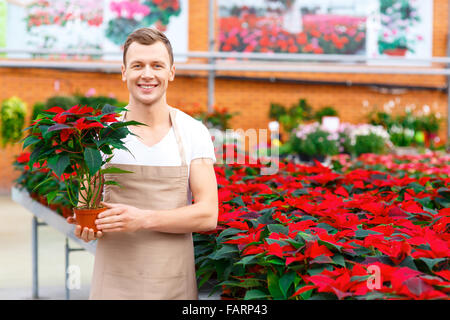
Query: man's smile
(147,87)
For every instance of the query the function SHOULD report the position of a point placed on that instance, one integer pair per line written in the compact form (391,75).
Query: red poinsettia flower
(65,134)
(81,124)
(80,110)
(109,118)
(24,157)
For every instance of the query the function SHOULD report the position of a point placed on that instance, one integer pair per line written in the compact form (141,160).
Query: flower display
(59,12)
(132,14)
(51,24)
(315,139)
(249,31)
(397,19)
(311,232)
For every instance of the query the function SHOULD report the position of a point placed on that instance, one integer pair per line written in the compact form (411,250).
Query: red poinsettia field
(377,227)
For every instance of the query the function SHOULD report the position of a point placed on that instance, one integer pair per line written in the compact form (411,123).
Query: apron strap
(177,135)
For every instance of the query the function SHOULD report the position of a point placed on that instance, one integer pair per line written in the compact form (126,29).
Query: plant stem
(97,195)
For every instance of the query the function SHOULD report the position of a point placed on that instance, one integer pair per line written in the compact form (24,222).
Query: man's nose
(147,72)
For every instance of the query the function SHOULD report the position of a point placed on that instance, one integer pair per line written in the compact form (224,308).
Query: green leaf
(280,242)
(429,263)
(205,278)
(266,216)
(42,183)
(112,183)
(93,160)
(225,252)
(317,269)
(297,244)
(300,192)
(321,259)
(326,227)
(52,195)
(278,228)
(247,260)
(255,294)
(286,281)
(58,164)
(30,141)
(364,233)
(57,127)
(276,262)
(330,245)
(339,260)
(116,125)
(227,232)
(114,170)
(35,154)
(238,201)
(444,192)
(273,285)
(107,108)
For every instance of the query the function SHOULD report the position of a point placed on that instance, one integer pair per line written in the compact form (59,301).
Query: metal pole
(66,269)
(211,40)
(448,81)
(34,258)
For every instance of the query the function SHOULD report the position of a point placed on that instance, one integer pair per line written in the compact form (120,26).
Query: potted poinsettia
(76,144)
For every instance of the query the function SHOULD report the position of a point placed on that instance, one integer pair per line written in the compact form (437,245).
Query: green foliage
(327,111)
(406,129)
(316,143)
(370,143)
(97,102)
(12,120)
(292,117)
(64,102)
(38,107)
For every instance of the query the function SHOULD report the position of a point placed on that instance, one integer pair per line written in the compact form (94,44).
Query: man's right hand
(87,234)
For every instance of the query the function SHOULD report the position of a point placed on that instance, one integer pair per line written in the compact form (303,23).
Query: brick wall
(250,94)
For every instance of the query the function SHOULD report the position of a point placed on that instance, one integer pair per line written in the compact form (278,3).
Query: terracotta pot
(86,217)
(34,195)
(43,200)
(66,212)
(397,52)
(53,206)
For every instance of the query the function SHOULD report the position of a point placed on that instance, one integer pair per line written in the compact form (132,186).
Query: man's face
(147,72)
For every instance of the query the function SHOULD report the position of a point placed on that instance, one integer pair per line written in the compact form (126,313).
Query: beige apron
(146,264)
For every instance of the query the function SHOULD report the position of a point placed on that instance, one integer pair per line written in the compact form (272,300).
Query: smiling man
(145,248)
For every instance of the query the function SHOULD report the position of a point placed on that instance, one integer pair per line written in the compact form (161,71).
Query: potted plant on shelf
(12,120)
(72,143)
(313,142)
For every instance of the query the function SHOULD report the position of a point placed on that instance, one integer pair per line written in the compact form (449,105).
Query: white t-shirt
(195,138)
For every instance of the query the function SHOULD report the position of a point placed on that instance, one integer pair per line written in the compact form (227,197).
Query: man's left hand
(121,218)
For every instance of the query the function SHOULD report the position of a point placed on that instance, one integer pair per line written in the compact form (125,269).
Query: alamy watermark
(252,147)
(73,279)
(374,280)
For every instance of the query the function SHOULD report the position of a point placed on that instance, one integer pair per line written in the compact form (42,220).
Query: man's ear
(123,73)
(172,73)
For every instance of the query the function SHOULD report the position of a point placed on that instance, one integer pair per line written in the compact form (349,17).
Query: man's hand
(87,234)
(121,218)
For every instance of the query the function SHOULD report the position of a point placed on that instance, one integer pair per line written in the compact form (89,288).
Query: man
(145,248)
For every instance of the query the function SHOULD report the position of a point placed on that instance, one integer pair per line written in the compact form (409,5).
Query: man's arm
(200,216)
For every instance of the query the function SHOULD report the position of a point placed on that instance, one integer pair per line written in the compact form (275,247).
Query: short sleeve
(202,144)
